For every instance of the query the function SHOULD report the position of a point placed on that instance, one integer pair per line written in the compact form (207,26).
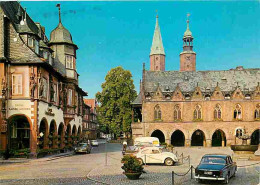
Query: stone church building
(196,108)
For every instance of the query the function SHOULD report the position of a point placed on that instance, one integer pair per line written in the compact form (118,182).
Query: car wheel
(226,179)
(168,162)
(140,161)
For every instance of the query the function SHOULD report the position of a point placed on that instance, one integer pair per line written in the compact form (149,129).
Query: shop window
(17,84)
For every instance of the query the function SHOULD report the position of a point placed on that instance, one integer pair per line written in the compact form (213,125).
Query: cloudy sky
(111,34)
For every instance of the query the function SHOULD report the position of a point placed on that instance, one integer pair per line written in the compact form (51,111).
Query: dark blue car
(215,167)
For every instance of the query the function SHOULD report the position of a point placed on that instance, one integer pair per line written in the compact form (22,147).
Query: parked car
(215,167)
(156,155)
(94,143)
(83,148)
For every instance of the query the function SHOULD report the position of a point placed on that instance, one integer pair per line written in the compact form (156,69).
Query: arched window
(177,112)
(157,112)
(238,112)
(197,114)
(217,112)
(239,132)
(257,112)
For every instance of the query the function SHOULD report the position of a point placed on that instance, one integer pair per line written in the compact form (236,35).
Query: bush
(164,144)
(131,164)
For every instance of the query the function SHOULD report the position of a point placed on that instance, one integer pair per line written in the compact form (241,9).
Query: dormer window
(45,54)
(36,46)
(69,62)
(30,42)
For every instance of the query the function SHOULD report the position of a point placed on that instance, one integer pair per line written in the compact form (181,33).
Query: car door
(232,166)
(229,166)
(155,156)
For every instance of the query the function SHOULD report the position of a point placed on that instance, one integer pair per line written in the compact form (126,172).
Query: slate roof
(138,100)
(157,45)
(228,80)
(61,35)
(11,9)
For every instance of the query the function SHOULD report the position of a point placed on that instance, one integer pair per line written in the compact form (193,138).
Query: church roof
(138,99)
(245,79)
(157,45)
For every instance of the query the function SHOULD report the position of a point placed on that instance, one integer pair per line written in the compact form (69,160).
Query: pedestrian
(124,147)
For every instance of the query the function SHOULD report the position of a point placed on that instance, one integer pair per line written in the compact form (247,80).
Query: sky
(110,34)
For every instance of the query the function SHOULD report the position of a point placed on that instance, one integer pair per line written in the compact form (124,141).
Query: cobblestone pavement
(161,175)
(67,170)
(104,168)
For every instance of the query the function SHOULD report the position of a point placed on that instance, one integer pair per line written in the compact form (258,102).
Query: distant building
(91,128)
(196,108)
(41,102)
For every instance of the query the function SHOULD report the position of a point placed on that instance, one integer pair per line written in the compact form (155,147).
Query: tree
(118,91)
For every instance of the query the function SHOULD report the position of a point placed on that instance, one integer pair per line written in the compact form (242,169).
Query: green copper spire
(187,33)
(157,45)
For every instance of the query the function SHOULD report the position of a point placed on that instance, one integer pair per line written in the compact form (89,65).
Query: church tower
(187,56)
(157,55)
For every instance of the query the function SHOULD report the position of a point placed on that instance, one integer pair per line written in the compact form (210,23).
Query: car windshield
(213,160)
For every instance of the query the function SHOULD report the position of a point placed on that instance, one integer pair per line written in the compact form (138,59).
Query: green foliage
(20,152)
(118,91)
(131,164)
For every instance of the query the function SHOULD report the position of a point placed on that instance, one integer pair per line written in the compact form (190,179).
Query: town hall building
(196,108)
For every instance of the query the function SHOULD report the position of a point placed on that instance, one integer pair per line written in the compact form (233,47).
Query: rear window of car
(213,160)
(83,145)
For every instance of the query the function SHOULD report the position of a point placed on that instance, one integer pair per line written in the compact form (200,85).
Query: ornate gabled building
(41,102)
(195,108)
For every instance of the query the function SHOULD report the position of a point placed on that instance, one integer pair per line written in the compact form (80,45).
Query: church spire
(157,54)
(157,45)
(58,5)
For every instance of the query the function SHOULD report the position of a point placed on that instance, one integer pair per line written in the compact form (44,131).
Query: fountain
(244,150)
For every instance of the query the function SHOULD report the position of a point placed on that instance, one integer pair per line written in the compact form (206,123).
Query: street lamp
(41,134)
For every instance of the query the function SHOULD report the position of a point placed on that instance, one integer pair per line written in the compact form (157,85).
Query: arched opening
(60,135)
(74,135)
(19,132)
(159,134)
(219,138)
(79,134)
(53,134)
(68,135)
(74,130)
(178,138)
(255,137)
(43,134)
(198,138)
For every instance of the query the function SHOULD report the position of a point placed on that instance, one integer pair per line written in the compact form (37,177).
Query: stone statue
(32,85)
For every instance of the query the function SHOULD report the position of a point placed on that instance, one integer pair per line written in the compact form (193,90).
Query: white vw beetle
(156,155)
